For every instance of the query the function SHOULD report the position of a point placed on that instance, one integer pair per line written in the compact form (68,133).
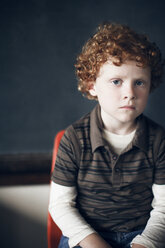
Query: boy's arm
(94,241)
(153,235)
(67,217)
(138,246)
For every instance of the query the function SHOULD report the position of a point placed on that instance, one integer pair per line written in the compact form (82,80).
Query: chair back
(53,231)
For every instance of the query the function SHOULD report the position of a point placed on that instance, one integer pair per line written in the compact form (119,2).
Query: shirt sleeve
(67,160)
(66,215)
(159,169)
(153,235)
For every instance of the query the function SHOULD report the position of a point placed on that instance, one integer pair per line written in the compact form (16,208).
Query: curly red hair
(120,43)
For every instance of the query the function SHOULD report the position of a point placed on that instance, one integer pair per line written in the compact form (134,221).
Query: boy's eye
(116,82)
(139,83)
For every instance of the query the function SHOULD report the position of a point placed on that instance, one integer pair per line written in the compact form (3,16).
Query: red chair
(53,231)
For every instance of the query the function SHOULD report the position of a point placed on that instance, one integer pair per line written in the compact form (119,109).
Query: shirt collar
(96,126)
(141,136)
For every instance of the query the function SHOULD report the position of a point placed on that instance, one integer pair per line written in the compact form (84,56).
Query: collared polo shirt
(114,192)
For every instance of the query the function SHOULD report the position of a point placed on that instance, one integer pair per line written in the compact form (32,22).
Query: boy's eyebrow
(117,76)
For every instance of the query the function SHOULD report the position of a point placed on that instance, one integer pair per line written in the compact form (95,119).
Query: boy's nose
(129,93)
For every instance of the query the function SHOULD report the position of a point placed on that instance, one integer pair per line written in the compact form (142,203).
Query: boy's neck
(117,127)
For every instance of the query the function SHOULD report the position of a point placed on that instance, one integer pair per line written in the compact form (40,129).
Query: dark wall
(39,42)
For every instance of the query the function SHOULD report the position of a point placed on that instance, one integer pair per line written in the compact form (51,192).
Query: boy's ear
(92,90)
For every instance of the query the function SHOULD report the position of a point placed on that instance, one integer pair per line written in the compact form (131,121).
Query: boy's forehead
(110,67)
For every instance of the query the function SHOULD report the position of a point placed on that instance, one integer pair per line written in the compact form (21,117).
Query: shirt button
(114,157)
(117,170)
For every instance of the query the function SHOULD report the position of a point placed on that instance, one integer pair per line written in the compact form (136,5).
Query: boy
(108,188)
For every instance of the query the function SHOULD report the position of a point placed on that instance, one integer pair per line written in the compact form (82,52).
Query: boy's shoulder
(77,135)
(83,124)
(156,134)
(154,126)
(80,124)
(80,128)
(156,137)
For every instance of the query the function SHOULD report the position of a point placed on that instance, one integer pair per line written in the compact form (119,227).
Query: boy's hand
(94,241)
(138,246)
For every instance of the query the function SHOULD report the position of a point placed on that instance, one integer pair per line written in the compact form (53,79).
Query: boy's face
(122,92)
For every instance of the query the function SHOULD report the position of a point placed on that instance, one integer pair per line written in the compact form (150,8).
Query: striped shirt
(114,191)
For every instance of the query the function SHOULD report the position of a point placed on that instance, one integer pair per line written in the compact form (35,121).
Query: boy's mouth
(128,107)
